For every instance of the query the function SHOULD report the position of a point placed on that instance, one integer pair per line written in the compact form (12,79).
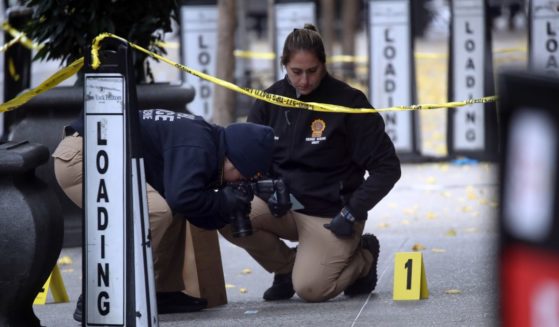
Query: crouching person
(337,165)
(188,163)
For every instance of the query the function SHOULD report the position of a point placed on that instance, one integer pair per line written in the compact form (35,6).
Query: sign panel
(468,67)
(287,17)
(529,190)
(390,68)
(528,221)
(544,41)
(104,199)
(198,49)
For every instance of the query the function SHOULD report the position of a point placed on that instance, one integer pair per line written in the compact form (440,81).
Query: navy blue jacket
(323,157)
(183,157)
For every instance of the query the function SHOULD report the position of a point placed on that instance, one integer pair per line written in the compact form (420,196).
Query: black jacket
(183,158)
(323,157)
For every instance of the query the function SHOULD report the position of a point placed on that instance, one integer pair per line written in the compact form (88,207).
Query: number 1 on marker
(408,266)
(410,282)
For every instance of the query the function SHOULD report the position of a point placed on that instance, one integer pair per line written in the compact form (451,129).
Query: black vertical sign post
(529,211)
(118,278)
(543,36)
(17,65)
(17,59)
(472,130)
(392,71)
(199,21)
(289,14)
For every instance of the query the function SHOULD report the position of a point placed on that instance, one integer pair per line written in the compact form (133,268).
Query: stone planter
(31,231)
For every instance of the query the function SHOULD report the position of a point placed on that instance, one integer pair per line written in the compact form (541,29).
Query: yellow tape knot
(95,62)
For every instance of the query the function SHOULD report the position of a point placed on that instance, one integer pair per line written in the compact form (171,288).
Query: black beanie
(249,147)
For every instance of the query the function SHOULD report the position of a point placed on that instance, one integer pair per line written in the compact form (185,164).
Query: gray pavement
(446,210)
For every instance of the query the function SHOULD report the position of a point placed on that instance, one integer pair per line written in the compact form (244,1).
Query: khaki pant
(322,266)
(167,232)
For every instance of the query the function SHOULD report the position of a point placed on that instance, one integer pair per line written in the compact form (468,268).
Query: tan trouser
(322,266)
(167,232)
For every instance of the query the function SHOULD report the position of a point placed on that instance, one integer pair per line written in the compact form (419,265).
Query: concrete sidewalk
(446,210)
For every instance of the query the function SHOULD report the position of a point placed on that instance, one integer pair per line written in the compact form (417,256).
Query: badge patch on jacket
(317,127)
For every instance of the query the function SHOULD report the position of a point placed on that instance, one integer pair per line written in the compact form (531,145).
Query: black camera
(240,222)
(267,188)
(273,191)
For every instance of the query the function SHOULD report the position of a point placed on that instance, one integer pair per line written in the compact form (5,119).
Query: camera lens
(281,191)
(241,226)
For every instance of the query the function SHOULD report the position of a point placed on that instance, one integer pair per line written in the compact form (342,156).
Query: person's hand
(237,199)
(276,208)
(342,224)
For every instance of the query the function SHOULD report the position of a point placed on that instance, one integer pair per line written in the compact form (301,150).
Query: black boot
(78,313)
(179,302)
(282,288)
(367,284)
(167,302)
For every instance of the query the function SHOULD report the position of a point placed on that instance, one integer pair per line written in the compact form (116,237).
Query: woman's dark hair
(307,39)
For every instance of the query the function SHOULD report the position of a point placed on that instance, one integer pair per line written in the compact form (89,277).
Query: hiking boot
(282,288)
(78,312)
(366,284)
(179,302)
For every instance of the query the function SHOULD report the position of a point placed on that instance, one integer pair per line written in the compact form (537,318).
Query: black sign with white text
(198,51)
(104,198)
(543,36)
(528,218)
(118,282)
(392,69)
(471,129)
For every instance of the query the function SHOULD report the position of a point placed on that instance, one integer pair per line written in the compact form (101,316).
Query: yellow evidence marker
(410,281)
(56,284)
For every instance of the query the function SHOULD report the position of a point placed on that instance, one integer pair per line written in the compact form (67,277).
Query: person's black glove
(237,199)
(342,224)
(280,201)
(277,208)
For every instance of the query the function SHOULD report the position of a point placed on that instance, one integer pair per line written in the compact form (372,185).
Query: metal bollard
(31,231)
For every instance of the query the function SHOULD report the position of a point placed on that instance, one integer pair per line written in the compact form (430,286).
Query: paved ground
(445,210)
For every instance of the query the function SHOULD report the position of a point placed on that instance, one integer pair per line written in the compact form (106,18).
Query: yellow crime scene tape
(48,84)
(248,54)
(254,55)
(12,70)
(10,43)
(279,100)
(359,59)
(23,39)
